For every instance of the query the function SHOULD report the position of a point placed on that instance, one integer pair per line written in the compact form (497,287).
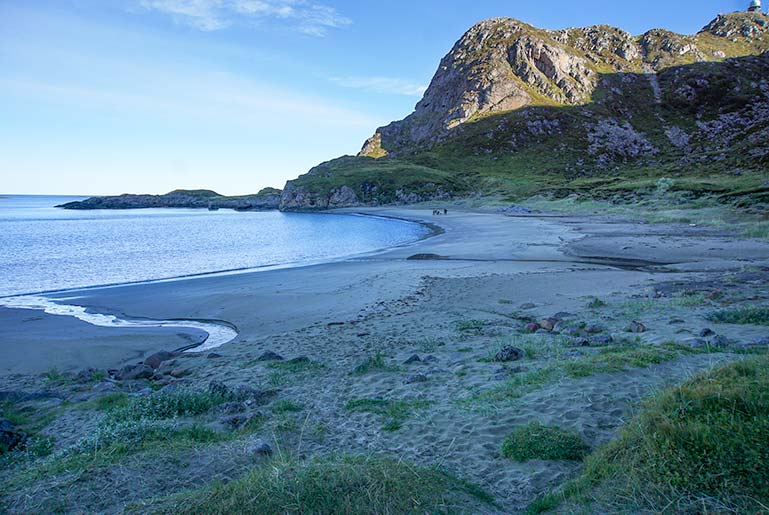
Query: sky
(102,97)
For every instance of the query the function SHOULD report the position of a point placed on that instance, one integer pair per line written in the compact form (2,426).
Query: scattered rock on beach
(413,359)
(259,447)
(231,408)
(425,257)
(156,359)
(594,328)
(270,356)
(601,340)
(705,333)
(87,375)
(214,355)
(636,327)
(180,372)
(532,327)
(547,324)
(528,305)
(509,353)
(134,372)
(416,378)
(219,388)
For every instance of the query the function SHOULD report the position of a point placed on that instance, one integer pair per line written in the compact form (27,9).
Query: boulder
(156,359)
(547,324)
(707,332)
(413,359)
(509,353)
(594,328)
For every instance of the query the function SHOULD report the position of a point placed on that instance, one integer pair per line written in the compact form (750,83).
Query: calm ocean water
(43,248)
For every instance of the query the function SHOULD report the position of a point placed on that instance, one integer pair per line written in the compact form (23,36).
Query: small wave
(218,334)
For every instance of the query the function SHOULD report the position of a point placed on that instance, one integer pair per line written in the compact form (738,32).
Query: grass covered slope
(699,447)
(339,484)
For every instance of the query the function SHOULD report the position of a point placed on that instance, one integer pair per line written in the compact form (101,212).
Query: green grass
(283,371)
(375,363)
(618,358)
(54,376)
(469,326)
(606,360)
(336,484)
(537,442)
(166,405)
(749,316)
(758,230)
(393,412)
(699,447)
(286,406)
(110,401)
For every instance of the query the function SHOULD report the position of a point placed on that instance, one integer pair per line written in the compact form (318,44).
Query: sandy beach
(478,284)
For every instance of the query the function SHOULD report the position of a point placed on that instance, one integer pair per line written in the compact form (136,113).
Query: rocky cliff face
(512,99)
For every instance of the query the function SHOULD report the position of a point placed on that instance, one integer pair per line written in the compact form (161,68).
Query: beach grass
(535,441)
(757,315)
(700,447)
(375,363)
(335,484)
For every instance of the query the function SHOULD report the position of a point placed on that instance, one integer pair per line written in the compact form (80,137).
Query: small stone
(133,372)
(601,340)
(259,448)
(180,372)
(416,378)
(707,332)
(677,321)
(594,328)
(429,359)
(413,359)
(528,305)
(214,355)
(156,359)
(509,353)
(547,324)
(635,327)
(721,341)
(532,327)
(562,315)
(696,343)
(270,356)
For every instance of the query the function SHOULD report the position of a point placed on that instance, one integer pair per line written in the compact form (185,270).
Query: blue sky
(114,96)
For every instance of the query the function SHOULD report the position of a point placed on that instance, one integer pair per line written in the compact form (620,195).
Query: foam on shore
(218,333)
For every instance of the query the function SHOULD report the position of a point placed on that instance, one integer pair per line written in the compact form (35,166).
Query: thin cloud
(306,16)
(386,85)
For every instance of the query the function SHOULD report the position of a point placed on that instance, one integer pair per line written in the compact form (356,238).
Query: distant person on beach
(445,211)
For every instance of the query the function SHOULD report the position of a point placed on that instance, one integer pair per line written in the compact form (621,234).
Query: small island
(267,199)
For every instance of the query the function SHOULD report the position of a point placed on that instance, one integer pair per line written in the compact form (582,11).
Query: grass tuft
(537,442)
(337,484)
(699,447)
(747,316)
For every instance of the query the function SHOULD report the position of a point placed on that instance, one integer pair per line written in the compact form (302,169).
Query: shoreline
(465,242)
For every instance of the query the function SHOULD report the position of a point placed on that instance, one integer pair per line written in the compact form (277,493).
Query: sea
(45,249)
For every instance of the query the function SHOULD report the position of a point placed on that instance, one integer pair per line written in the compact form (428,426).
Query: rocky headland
(516,111)
(267,199)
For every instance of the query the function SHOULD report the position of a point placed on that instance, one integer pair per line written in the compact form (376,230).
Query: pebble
(509,353)
(259,447)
